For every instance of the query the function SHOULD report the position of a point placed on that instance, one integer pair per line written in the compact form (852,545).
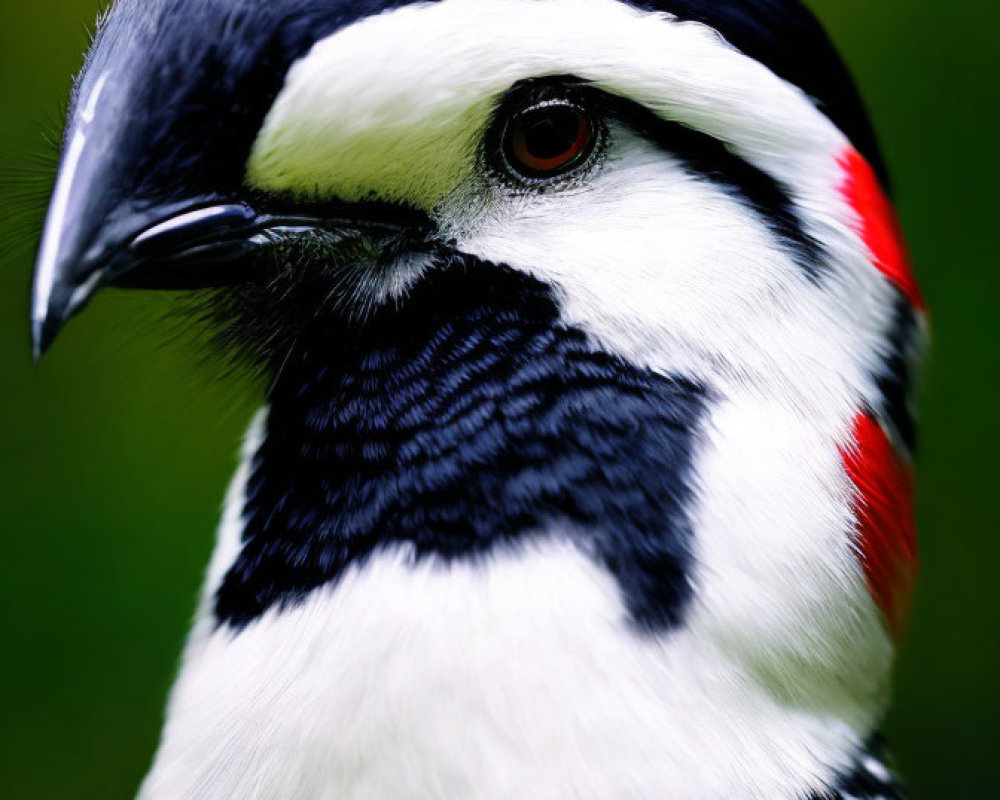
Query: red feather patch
(884,507)
(879,226)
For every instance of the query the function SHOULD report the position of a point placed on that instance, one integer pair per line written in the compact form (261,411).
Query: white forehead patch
(394,106)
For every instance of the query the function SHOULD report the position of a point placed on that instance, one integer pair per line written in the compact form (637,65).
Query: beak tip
(54,303)
(42,335)
(46,324)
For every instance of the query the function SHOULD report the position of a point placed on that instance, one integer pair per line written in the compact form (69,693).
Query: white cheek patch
(394,106)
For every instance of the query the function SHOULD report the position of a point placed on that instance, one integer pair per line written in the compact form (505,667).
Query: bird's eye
(548,139)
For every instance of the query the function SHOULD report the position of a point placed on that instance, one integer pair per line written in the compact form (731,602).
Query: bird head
(693,184)
(678,192)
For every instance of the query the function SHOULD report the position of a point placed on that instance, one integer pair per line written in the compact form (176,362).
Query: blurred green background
(115,453)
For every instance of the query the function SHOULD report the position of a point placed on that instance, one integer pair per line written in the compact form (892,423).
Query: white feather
(520,679)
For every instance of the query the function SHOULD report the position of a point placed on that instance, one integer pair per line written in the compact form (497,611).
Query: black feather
(466,421)
(868,778)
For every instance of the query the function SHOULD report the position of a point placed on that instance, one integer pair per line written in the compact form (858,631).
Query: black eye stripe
(711,159)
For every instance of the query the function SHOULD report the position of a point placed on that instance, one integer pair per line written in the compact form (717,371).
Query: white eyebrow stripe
(52,235)
(430,62)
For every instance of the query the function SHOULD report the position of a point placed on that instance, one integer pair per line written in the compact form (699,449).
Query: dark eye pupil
(547,140)
(550,132)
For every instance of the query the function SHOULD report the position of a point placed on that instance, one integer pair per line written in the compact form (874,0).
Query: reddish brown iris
(548,139)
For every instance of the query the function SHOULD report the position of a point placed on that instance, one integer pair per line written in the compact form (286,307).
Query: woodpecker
(588,329)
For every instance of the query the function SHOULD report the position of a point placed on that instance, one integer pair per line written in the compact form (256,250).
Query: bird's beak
(192,245)
(188,245)
(98,232)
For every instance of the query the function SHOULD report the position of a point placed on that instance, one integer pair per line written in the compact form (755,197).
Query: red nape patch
(884,508)
(879,226)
